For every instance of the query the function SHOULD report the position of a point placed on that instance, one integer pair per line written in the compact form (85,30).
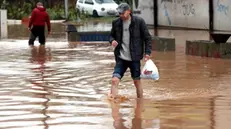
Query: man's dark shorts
(122,65)
(37,31)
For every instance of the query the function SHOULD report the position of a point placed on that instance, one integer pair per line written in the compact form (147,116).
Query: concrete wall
(222,15)
(144,10)
(184,13)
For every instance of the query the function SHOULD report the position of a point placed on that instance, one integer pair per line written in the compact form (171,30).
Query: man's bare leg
(139,88)
(114,87)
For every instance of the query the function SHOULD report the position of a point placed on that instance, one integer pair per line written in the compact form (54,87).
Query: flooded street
(65,84)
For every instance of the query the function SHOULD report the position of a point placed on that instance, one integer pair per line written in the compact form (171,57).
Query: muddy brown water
(64,85)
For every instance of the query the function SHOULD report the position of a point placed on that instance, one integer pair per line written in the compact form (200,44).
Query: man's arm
(147,37)
(48,23)
(32,19)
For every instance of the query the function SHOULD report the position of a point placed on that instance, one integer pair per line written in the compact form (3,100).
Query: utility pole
(155,9)
(66,9)
(211,15)
(3,24)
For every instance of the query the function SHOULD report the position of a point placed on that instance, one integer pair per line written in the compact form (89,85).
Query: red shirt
(40,17)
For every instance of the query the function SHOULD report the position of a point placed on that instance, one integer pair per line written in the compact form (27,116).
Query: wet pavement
(65,85)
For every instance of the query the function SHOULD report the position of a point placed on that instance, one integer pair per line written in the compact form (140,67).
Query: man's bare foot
(117,98)
(110,97)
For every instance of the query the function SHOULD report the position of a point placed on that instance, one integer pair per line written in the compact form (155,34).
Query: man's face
(125,15)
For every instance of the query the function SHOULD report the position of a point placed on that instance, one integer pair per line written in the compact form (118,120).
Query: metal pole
(66,9)
(211,15)
(155,5)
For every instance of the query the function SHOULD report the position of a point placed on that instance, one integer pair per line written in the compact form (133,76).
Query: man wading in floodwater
(132,41)
(39,18)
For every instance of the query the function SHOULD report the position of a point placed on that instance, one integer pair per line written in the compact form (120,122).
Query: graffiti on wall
(167,14)
(185,7)
(221,7)
(188,9)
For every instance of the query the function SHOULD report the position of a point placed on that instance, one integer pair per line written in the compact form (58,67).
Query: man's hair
(39,4)
(123,7)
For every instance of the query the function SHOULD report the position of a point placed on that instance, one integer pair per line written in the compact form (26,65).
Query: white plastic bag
(150,71)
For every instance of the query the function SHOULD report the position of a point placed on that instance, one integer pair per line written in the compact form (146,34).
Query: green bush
(56,13)
(14,12)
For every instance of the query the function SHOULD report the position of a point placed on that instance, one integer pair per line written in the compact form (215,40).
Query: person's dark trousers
(37,31)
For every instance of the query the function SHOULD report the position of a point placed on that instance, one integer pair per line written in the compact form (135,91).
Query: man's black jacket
(140,38)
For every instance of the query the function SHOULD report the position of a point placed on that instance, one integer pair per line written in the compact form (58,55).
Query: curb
(12,21)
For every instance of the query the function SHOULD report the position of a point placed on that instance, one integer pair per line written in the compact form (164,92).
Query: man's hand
(29,28)
(114,43)
(146,58)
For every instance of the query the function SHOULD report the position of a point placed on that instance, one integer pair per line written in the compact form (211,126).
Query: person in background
(39,18)
(132,41)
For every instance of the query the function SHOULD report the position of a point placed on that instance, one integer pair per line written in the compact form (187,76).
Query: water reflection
(119,122)
(165,114)
(40,55)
